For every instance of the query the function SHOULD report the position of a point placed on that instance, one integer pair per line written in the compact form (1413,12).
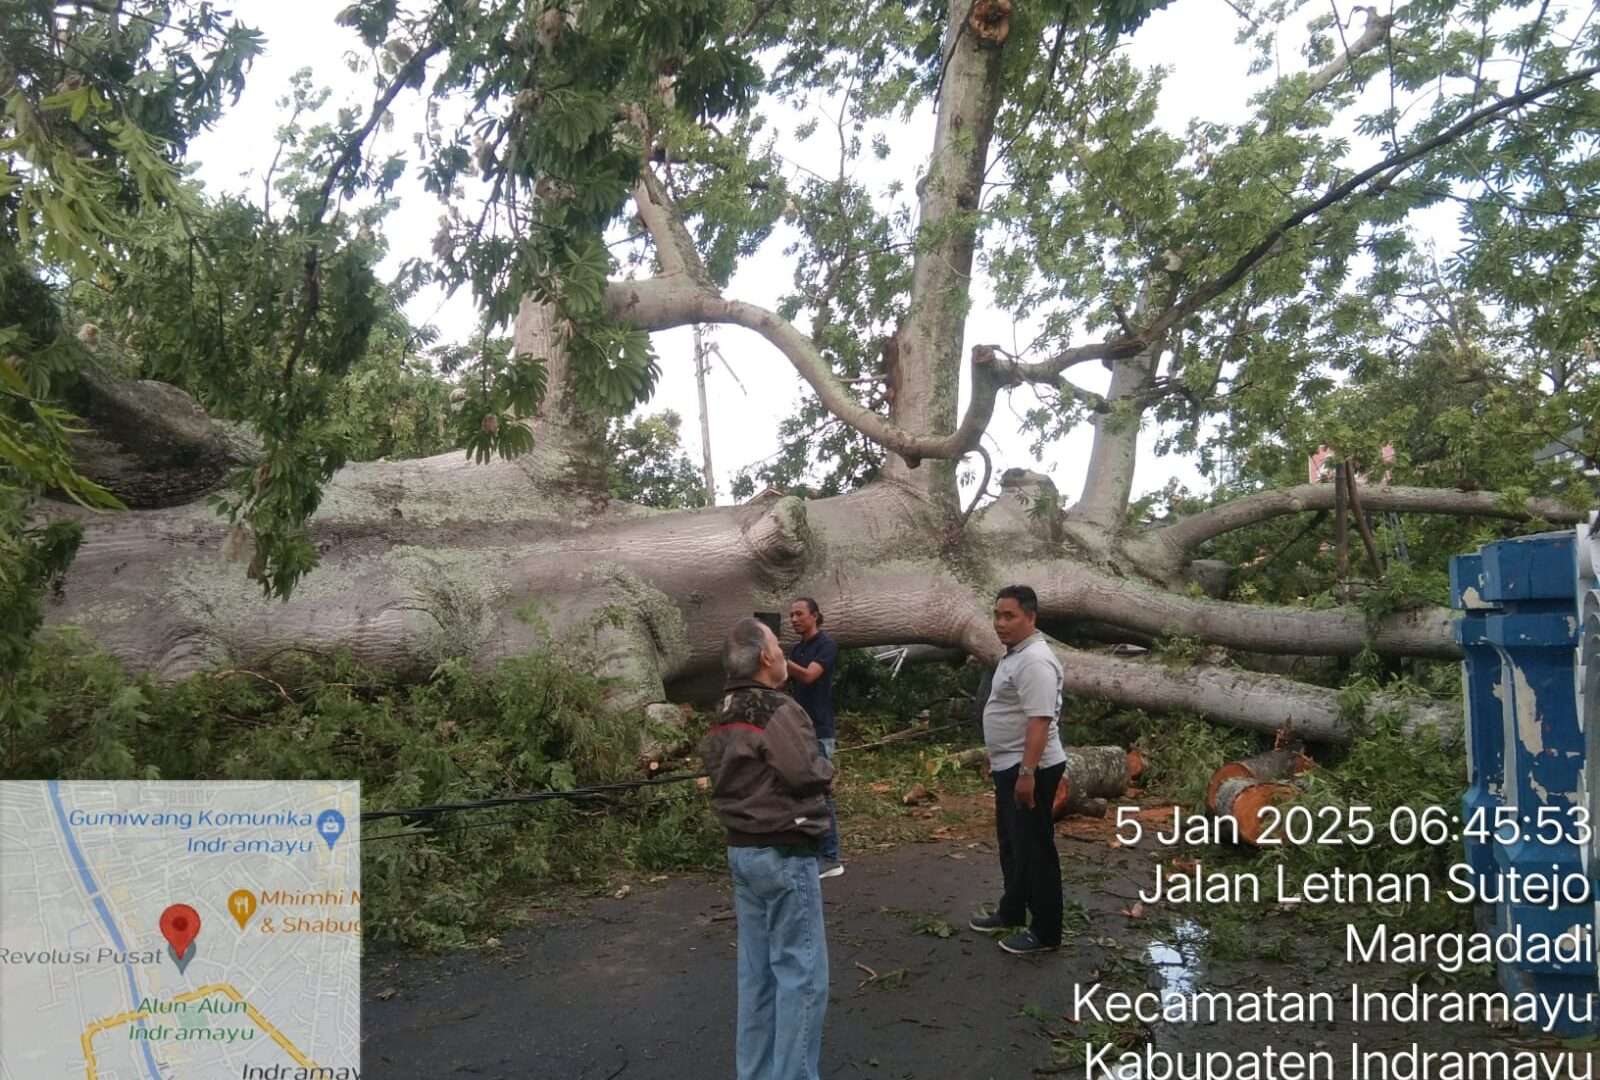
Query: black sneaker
(987,923)
(1023,943)
(831,868)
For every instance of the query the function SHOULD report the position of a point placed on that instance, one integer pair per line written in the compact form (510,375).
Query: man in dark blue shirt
(811,664)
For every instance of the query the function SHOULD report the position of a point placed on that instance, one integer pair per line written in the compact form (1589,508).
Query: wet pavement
(642,987)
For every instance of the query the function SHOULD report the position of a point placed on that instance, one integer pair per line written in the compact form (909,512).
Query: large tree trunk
(439,557)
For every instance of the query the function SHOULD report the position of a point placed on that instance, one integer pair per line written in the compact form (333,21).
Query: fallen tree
(435,557)
(438,557)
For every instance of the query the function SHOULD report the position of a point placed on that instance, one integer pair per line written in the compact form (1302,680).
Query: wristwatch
(1026,770)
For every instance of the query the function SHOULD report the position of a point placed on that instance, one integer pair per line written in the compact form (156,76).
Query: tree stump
(1243,800)
(1273,765)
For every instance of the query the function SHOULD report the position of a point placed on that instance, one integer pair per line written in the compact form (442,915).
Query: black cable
(420,834)
(419,814)
(535,796)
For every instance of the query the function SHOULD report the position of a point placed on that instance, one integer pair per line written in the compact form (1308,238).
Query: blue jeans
(830,843)
(783,964)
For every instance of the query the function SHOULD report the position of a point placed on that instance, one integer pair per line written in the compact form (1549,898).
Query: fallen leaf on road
(385,994)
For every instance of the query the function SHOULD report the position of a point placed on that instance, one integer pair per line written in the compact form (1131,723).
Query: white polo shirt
(1027,682)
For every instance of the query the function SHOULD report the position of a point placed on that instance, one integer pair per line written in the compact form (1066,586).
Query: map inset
(180,930)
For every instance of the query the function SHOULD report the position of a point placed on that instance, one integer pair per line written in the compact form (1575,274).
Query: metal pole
(702,360)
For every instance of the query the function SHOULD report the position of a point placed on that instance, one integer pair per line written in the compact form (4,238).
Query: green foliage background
(532,724)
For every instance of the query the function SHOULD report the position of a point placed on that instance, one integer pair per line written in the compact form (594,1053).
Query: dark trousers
(1028,860)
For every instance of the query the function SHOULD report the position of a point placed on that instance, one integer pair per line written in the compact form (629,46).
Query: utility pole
(702,361)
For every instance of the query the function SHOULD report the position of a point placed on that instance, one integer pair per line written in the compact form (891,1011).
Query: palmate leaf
(574,117)
(522,385)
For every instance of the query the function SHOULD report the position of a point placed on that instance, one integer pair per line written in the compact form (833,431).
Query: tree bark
(1359,513)
(1182,537)
(928,341)
(1265,703)
(1341,531)
(1092,772)
(1109,481)
(151,444)
(573,439)
(1068,586)
(437,557)
(1163,553)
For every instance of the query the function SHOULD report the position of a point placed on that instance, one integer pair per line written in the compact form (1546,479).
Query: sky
(1194,39)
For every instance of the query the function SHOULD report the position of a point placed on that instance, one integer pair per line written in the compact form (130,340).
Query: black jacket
(768,776)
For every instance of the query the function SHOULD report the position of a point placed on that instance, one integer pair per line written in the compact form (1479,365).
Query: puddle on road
(1177,962)
(1177,958)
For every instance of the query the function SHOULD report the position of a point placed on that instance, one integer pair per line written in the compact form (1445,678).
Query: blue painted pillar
(1534,634)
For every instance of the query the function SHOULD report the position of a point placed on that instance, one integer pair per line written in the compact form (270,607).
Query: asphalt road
(643,987)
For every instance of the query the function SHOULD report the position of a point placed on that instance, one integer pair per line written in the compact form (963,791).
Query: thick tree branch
(1047,371)
(662,304)
(1240,513)
(1375,34)
(928,339)
(1245,699)
(1066,591)
(674,246)
(1109,481)
(150,443)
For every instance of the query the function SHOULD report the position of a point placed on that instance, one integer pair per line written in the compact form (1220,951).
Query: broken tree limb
(900,736)
(1360,514)
(1273,765)
(1188,533)
(1341,528)
(1245,699)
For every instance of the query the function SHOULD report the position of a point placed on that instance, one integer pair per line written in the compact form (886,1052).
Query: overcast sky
(1207,79)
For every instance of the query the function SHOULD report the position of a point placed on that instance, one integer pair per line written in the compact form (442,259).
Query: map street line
(92,1069)
(93,890)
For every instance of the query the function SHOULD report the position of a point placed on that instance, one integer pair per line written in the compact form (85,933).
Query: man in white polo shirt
(1026,758)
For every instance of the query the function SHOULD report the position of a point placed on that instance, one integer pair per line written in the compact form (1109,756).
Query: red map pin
(180,924)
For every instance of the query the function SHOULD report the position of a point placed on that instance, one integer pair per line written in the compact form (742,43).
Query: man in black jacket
(769,787)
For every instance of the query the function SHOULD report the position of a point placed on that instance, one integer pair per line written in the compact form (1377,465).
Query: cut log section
(1093,772)
(976,756)
(1243,799)
(1273,765)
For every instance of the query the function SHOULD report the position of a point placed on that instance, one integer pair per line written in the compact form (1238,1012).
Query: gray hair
(742,649)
